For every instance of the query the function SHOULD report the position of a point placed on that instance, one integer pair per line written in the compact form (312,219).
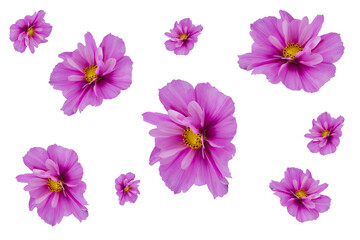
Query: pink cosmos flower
(300,193)
(183,37)
(289,50)
(55,185)
(326,133)
(30,31)
(127,188)
(90,73)
(193,140)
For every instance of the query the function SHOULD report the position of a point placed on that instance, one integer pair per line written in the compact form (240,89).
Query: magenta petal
(153,118)
(65,158)
(170,45)
(214,102)
(285,16)
(177,95)
(20,46)
(36,158)
(322,203)
(313,78)
(121,76)
(154,156)
(305,214)
(330,47)
(113,47)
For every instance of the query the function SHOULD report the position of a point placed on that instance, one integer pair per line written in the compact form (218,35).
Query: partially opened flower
(300,193)
(325,134)
(55,185)
(193,140)
(30,32)
(290,51)
(90,73)
(183,37)
(127,188)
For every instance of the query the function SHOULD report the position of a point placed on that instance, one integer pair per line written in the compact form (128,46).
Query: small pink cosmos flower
(183,37)
(300,193)
(55,185)
(289,50)
(127,188)
(30,31)
(326,133)
(90,73)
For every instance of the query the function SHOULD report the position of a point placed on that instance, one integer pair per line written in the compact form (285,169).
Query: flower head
(30,31)
(289,50)
(55,185)
(127,188)
(90,73)
(326,133)
(193,140)
(183,37)
(300,193)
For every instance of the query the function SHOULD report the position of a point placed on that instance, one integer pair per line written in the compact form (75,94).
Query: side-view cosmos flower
(300,193)
(325,134)
(193,140)
(183,37)
(290,51)
(127,188)
(55,185)
(90,73)
(30,32)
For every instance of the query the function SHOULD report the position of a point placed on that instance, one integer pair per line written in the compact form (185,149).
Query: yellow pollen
(301,193)
(183,36)
(325,133)
(54,186)
(192,139)
(127,188)
(90,73)
(31,32)
(291,50)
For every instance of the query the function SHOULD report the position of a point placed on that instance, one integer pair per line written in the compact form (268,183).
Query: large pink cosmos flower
(90,73)
(127,188)
(326,133)
(300,193)
(30,31)
(183,37)
(55,185)
(289,50)
(193,140)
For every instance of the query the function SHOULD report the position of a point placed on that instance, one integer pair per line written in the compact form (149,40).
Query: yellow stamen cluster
(192,139)
(291,50)
(90,73)
(127,188)
(54,186)
(325,133)
(183,36)
(301,193)
(31,32)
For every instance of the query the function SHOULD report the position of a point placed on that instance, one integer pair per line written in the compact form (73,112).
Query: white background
(112,139)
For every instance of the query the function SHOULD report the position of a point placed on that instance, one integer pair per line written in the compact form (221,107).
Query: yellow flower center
(291,50)
(325,133)
(192,139)
(301,193)
(183,36)
(54,186)
(127,188)
(90,73)
(31,32)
